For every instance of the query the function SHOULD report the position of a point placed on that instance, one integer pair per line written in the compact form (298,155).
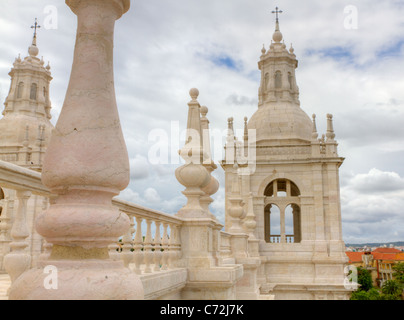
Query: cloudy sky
(351,64)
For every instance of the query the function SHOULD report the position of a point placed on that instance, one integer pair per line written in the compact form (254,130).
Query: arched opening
(278,80)
(20,88)
(282,212)
(1,200)
(266,81)
(272,223)
(290,79)
(282,188)
(34,89)
(292,224)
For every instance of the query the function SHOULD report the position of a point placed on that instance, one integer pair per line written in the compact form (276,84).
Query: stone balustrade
(152,247)
(152,244)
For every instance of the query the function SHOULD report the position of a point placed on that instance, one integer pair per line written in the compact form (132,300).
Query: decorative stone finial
(330,128)
(291,50)
(263,50)
(250,223)
(277,36)
(245,128)
(194,93)
(314,134)
(33,50)
(236,210)
(193,175)
(204,111)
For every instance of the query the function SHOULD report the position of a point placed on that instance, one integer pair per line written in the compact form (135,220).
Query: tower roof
(279,115)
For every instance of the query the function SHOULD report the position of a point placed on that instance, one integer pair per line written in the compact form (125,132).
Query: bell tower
(294,184)
(26,126)
(278,66)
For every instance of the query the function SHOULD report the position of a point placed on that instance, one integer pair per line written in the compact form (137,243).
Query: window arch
(282,212)
(272,223)
(34,89)
(282,187)
(278,80)
(290,79)
(20,88)
(292,223)
(1,200)
(266,81)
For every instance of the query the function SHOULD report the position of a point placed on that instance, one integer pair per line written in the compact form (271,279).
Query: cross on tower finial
(277,12)
(35,27)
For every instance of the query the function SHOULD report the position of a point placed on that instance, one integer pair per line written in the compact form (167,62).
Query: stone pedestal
(86,165)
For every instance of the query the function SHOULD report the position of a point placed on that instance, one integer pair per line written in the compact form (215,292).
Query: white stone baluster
(114,251)
(8,207)
(19,259)
(126,254)
(148,253)
(157,248)
(165,247)
(138,246)
(172,261)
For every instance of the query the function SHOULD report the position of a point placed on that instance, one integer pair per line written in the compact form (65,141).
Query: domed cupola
(279,115)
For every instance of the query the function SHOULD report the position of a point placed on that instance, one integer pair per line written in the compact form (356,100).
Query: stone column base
(77,280)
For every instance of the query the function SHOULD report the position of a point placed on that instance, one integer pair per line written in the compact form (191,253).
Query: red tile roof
(354,256)
(357,256)
(387,250)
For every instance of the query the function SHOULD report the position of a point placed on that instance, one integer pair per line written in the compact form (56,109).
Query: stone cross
(277,11)
(35,27)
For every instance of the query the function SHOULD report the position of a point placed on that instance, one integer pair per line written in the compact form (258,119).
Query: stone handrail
(18,178)
(158,248)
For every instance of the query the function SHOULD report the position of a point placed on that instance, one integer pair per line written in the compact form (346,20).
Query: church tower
(25,131)
(26,127)
(294,183)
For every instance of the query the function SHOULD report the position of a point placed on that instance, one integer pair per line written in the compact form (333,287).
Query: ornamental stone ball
(194,93)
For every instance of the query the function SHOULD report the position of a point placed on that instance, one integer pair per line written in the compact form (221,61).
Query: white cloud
(372,207)
(139,168)
(151,195)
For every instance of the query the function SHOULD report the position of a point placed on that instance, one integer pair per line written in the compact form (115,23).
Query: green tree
(392,288)
(399,272)
(374,294)
(360,295)
(364,279)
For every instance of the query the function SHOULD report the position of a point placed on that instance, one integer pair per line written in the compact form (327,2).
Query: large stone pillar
(86,165)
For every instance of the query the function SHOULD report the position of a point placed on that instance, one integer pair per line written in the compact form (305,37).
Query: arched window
(278,80)
(1,200)
(290,79)
(266,81)
(20,88)
(282,212)
(292,224)
(34,89)
(272,223)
